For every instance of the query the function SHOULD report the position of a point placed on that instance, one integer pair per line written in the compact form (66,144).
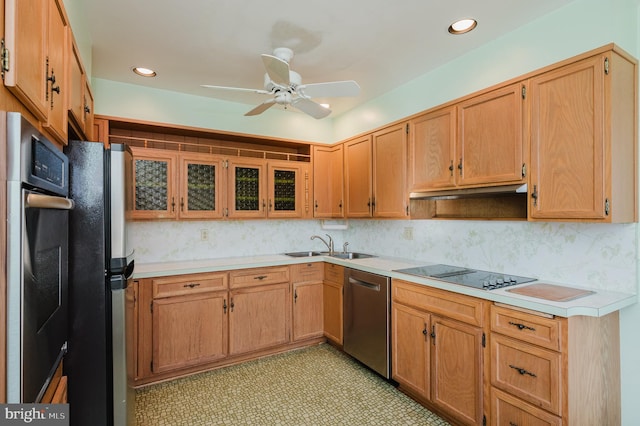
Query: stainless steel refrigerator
(99,361)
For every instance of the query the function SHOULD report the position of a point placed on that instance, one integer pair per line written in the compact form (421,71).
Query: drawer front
(526,327)
(334,273)
(527,371)
(307,272)
(181,285)
(459,307)
(258,276)
(508,410)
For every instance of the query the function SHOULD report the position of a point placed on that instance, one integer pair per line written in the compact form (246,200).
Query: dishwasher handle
(374,287)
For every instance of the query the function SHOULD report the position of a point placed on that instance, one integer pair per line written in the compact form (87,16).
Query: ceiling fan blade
(309,107)
(278,69)
(330,89)
(262,107)
(235,89)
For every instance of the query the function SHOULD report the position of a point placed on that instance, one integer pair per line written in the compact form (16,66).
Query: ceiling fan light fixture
(462,26)
(144,72)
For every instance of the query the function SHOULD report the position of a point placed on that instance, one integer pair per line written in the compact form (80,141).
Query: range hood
(484,192)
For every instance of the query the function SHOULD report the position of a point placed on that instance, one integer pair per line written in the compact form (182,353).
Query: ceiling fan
(285,87)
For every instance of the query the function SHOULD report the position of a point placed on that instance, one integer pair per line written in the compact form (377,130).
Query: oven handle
(40,201)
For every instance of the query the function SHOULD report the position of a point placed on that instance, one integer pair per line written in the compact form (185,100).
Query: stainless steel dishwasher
(367,306)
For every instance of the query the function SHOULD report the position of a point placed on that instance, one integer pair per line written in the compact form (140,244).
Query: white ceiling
(379,43)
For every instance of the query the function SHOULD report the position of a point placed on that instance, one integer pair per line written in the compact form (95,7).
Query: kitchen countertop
(598,304)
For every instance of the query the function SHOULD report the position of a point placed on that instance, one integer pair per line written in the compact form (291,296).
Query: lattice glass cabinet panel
(154,184)
(288,189)
(247,188)
(200,187)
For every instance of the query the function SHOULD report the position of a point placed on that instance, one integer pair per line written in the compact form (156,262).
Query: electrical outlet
(408,233)
(204,235)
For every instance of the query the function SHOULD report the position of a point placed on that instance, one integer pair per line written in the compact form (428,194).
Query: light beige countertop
(598,304)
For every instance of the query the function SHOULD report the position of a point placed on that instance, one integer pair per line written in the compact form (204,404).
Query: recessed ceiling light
(145,72)
(462,26)
(325,105)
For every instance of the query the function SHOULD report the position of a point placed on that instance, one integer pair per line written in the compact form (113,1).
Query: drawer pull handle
(521,326)
(513,424)
(260,277)
(191,285)
(522,371)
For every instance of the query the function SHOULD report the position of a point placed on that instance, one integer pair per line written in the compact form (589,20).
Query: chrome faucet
(328,244)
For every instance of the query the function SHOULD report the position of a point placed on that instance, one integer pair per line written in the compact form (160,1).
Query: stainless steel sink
(306,253)
(351,255)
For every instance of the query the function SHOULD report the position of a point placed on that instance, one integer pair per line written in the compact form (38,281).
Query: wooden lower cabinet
(189,330)
(437,357)
(188,323)
(332,311)
(547,370)
(56,392)
(508,410)
(411,360)
(307,300)
(258,317)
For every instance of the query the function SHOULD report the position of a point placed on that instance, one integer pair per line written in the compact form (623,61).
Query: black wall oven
(37,260)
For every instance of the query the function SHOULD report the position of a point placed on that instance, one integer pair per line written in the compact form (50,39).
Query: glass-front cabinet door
(247,188)
(154,184)
(200,187)
(287,190)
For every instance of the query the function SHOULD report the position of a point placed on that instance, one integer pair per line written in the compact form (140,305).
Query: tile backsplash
(601,256)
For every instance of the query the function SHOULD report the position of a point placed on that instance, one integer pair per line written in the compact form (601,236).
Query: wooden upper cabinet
(358,186)
(328,178)
(36,40)
(80,98)
(273,189)
(155,173)
(57,118)
(432,150)
(247,188)
(490,142)
(583,141)
(26,40)
(201,183)
(88,111)
(389,172)
(288,189)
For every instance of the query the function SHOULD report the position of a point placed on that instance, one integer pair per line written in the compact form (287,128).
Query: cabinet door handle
(173,204)
(224,306)
(231,305)
(534,195)
(451,168)
(522,371)
(191,285)
(433,333)
(460,166)
(181,204)
(295,296)
(521,326)
(425,332)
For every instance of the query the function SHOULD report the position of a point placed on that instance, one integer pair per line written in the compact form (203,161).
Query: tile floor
(313,386)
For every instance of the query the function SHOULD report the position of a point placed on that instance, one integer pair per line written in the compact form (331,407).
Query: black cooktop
(468,277)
